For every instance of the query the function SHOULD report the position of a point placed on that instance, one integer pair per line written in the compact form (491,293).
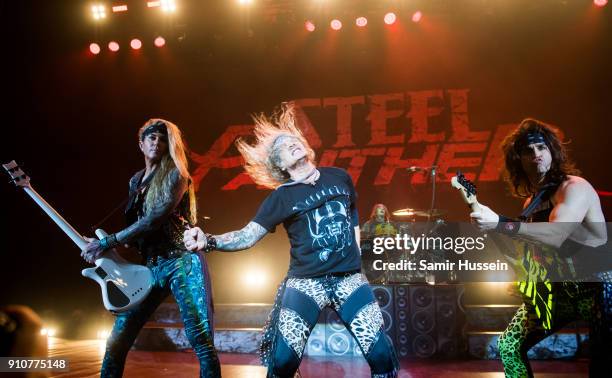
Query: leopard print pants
(351,297)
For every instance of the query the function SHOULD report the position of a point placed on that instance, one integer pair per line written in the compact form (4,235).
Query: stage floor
(86,356)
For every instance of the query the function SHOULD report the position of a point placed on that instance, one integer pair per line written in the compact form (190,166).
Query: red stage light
(135,43)
(600,3)
(361,21)
(160,41)
(336,24)
(416,17)
(113,46)
(94,48)
(390,18)
(310,26)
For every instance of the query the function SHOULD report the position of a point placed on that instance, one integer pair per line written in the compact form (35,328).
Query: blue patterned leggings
(183,276)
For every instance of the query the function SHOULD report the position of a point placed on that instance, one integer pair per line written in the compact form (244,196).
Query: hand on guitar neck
(92,251)
(482,216)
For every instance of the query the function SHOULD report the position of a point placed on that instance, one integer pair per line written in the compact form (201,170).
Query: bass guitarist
(161,206)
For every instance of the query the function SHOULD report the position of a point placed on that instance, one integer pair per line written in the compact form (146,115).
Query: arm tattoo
(158,214)
(241,239)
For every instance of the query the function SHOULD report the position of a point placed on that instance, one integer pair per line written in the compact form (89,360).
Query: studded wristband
(211,243)
(507,226)
(109,242)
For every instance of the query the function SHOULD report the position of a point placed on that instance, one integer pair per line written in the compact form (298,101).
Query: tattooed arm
(229,242)
(149,223)
(158,214)
(241,239)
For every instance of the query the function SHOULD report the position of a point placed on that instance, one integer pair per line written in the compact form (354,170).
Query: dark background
(71,118)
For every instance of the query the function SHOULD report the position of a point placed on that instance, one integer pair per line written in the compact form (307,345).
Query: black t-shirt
(319,220)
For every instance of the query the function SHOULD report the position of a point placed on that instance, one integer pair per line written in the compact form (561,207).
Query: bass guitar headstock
(18,176)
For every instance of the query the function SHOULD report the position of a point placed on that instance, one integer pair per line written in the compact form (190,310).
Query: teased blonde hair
(160,188)
(261,161)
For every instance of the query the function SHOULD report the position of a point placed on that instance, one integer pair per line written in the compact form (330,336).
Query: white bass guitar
(123,284)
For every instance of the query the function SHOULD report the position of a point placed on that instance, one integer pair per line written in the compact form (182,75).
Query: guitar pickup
(101,273)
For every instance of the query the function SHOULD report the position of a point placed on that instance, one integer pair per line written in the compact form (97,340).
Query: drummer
(379,223)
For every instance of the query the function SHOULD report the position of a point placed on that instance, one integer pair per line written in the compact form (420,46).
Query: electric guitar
(534,281)
(123,284)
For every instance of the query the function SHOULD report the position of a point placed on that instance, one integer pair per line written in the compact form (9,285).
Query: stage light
(309,25)
(336,24)
(94,48)
(494,284)
(135,43)
(254,278)
(390,18)
(159,41)
(50,332)
(168,5)
(153,4)
(98,11)
(103,334)
(416,17)
(361,22)
(245,2)
(113,46)
(600,3)
(119,8)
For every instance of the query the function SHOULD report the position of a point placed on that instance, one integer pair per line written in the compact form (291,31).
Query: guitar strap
(130,199)
(545,192)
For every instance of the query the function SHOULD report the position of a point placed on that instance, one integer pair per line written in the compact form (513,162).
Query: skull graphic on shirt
(330,228)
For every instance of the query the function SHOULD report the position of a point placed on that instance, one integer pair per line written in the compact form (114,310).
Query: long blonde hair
(261,164)
(160,187)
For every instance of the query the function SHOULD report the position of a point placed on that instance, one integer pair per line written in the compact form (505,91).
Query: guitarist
(161,205)
(561,212)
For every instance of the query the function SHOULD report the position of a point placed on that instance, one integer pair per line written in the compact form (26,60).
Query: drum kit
(415,222)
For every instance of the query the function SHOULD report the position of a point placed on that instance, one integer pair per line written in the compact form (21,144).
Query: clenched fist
(194,239)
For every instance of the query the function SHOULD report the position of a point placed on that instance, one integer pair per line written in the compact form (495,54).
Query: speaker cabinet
(423,320)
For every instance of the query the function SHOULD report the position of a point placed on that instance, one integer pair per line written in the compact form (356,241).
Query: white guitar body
(123,284)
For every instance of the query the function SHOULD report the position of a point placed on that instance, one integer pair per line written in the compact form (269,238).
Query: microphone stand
(433,192)
(428,225)
(430,277)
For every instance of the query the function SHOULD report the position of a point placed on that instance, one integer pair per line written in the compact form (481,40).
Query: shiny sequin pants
(184,277)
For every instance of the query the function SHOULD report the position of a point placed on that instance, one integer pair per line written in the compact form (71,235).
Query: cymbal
(408,212)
